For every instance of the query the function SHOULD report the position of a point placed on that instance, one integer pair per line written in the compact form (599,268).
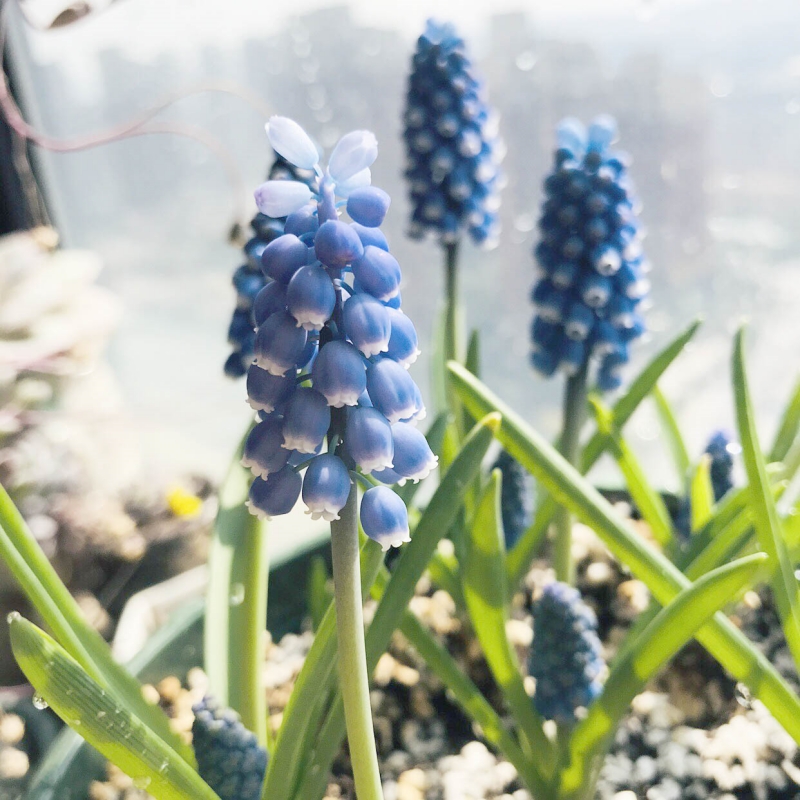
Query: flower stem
(353,675)
(451,347)
(574,415)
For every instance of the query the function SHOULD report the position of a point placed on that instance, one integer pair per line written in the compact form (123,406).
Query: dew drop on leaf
(142,782)
(237,594)
(743,696)
(39,702)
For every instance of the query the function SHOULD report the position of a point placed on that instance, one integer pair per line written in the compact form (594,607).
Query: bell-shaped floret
(602,133)
(264,452)
(378,273)
(358,181)
(403,339)
(579,322)
(283,256)
(369,439)
(281,198)
(304,220)
(269,300)
(392,390)
(573,355)
(366,323)
(289,140)
(279,343)
(326,487)
(267,392)
(307,419)
(571,137)
(276,494)
(339,374)
(384,517)
(354,152)
(595,290)
(310,297)
(373,236)
(413,457)
(368,206)
(336,244)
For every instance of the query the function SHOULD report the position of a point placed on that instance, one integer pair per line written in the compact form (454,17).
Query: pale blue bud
(354,152)
(392,390)
(366,324)
(263,451)
(289,140)
(403,339)
(279,343)
(337,244)
(326,487)
(306,422)
(339,374)
(413,457)
(369,439)
(283,256)
(276,494)
(310,297)
(378,273)
(270,299)
(384,517)
(266,392)
(281,198)
(368,206)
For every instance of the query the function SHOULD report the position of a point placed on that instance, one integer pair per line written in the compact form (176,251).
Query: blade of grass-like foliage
(767,522)
(48,595)
(318,591)
(701,493)
(645,498)
(723,640)
(520,557)
(101,717)
(788,427)
(671,629)
(671,430)
(437,519)
(302,715)
(236,602)
(486,593)
(469,697)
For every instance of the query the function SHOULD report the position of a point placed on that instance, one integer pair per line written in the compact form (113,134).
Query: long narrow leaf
(672,432)
(101,717)
(725,642)
(672,628)
(486,593)
(788,427)
(645,498)
(438,518)
(767,522)
(701,492)
(51,598)
(519,558)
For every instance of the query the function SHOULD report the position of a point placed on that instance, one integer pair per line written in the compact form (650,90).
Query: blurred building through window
(706,92)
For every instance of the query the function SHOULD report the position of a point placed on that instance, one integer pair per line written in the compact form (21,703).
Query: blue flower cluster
(566,657)
(248,280)
(722,447)
(592,282)
(332,347)
(229,758)
(453,147)
(516,497)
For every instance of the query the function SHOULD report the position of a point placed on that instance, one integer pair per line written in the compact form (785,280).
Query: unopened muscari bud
(229,758)
(413,457)
(264,451)
(279,343)
(391,390)
(402,345)
(339,374)
(306,421)
(267,392)
(722,447)
(384,517)
(369,439)
(283,257)
(336,244)
(377,273)
(310,297)
(516,497)
(276,494)
(592,270)
(368,206)
(566,656)
(270,300)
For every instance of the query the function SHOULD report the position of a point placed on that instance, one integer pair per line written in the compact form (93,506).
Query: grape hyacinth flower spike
(249,279)
(566,655)
(452,143)
(721,449)
(591,284)
(330,382)
(516,497)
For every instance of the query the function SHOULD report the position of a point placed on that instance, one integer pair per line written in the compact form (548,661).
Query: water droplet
(743,696)
(525,61)
(237,594)
(14,616)
(142,782)
(101,714)
(163,768)
(39,702)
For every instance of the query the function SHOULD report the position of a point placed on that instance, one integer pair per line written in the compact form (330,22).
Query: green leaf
(723,640)
(317,676)
(486,594)
(319,591)
(701,492)
(101,717)
(672,432)
(52,600)
(671,629)
(236,602)
(520,557)
(645,498)
(437,519)
(788,427)
(469,697)
(473,362)
(767,522)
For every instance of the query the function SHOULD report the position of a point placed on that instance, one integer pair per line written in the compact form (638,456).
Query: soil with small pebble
(694,734)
